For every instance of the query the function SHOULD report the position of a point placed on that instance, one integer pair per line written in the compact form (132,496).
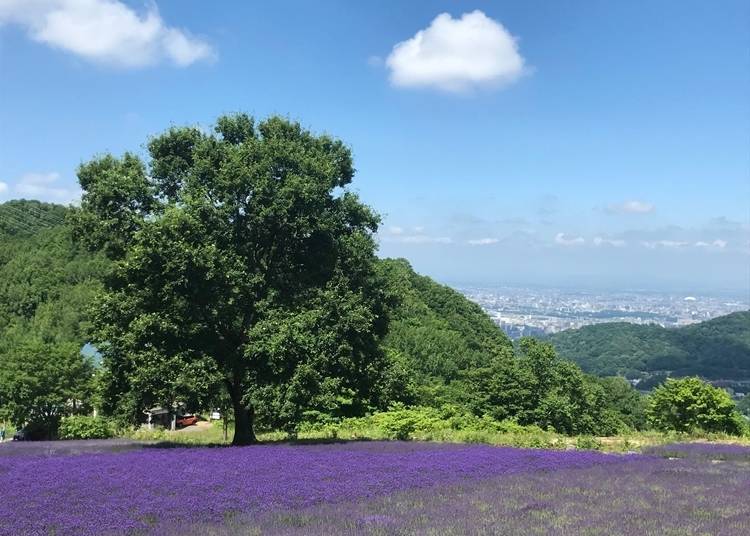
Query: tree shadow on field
(268,442)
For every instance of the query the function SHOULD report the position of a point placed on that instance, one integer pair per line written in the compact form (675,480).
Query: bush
(85,427)
(690,404)
(144,434)
(586,442)
(449,423)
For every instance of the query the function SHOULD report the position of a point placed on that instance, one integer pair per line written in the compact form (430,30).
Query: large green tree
(241,262)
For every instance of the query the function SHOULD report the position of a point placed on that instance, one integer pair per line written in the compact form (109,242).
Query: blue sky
(601,144)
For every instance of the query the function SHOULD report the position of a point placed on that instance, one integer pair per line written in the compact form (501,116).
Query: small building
(157,416)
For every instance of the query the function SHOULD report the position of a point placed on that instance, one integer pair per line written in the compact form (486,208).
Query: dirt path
(200,426)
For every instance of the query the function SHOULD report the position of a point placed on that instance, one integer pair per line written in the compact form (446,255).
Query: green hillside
(442,349)
(25,218)
(45,281)
(435,328)
(715,349)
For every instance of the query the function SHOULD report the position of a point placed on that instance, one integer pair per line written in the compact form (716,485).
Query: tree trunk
(243,419)
(243,425)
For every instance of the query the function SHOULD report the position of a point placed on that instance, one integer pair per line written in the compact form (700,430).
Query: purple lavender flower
(156,488)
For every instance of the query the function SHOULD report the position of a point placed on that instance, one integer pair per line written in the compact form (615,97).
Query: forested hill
(435,328)
(19,218)
(715,349)
(46,283)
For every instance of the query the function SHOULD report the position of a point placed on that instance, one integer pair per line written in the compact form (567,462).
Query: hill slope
(46,283)
(715,349)
(435,328)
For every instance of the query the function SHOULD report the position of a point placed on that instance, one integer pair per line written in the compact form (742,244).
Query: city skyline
(521,311)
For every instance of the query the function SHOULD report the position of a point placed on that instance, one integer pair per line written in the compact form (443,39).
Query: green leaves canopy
(46,284)
(241,261)
(688,404)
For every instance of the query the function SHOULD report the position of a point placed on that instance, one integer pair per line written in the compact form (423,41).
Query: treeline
(454,355)
(441,351)
(47,284)
(234,270)
(446,356)
(717,349)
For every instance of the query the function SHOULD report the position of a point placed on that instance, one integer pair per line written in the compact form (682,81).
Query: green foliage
(715,349)
(85,427)
(40,383)
(535,387)
(22,218)
(586,442)
(436,330)
(743,406)
(448,423)
(688,404)
(241,264)
(626,402)
(46,285)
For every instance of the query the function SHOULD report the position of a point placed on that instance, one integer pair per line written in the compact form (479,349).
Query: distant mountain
(715,349)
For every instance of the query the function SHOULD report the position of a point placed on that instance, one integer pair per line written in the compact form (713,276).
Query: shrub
(690,404)
(144,434)
(448,423)
(401,423)
(85,427)
(586,442)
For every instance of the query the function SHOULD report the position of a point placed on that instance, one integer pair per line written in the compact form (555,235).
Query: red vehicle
(186,420)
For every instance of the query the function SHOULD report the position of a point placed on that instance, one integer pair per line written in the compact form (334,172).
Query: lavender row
(152,488)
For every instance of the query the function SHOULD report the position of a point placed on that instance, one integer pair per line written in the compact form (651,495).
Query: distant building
(157,416)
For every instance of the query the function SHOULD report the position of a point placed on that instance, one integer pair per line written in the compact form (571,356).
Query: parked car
(186,420)
(21,435)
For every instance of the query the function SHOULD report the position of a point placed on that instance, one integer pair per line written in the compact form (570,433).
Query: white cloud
(105,31)
(718,244)
(631,207)
(565,240)
(653,244)
(457,55)
(424,239)
(483,241)
(399,235)
(3,187)
(44,187)
(617,243)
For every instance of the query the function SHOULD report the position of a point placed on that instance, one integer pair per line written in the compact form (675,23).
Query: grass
(632,442)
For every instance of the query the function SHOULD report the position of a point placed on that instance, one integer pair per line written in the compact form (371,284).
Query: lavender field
(370,487)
